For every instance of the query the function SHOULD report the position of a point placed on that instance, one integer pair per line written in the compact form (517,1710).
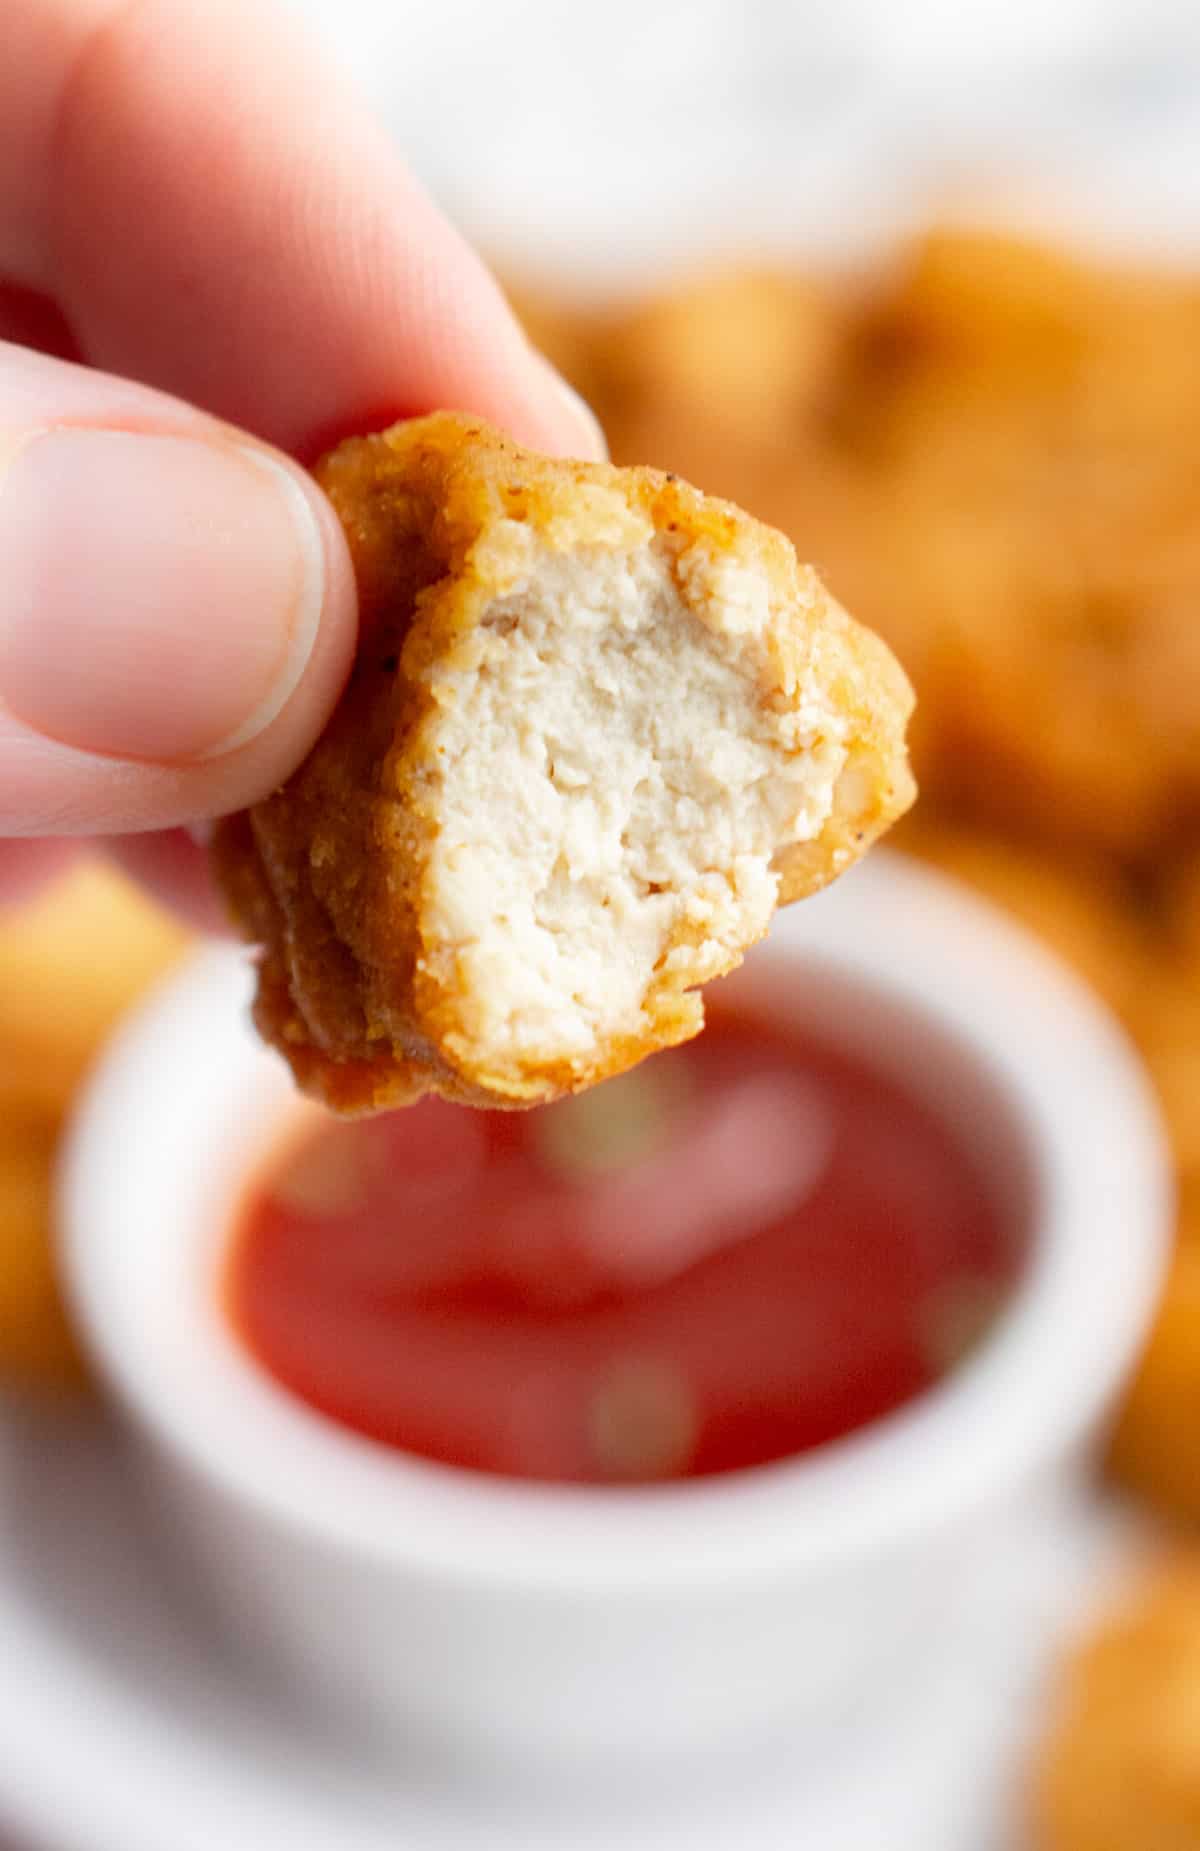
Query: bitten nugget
(1121,1769)
(599,727)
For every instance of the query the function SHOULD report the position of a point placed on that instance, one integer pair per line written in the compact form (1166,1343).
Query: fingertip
(28,862)
(173,867)
(565,424)
(322,622)
(178,616)
(207,571)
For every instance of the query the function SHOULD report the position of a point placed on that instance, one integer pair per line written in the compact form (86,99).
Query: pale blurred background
(600,145)
(991,446)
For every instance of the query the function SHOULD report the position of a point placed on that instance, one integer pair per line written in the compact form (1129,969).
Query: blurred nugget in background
(35,1337)
(1048,507)
(1120,1770)
(992,450)
(72,960)
(751,350)
(1155,1449)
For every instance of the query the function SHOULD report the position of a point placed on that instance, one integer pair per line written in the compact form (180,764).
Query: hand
(191,204)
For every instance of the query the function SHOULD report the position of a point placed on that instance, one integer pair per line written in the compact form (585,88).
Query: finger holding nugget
(213,210)
(599,726)
(177,613)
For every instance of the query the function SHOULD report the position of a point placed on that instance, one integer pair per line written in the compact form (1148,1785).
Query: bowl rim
(185,1079)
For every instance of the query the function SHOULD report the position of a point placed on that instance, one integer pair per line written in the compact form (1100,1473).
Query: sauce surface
(745,1248)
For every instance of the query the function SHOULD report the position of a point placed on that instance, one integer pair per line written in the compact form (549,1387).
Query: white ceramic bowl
(507,1617)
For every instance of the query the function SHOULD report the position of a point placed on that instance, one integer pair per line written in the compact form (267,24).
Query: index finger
(217,214)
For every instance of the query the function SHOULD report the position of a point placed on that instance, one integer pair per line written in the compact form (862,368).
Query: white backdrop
(599,142)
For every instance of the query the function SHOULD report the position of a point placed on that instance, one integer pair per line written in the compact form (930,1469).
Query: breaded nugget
(1154,1448)
(993,452)
(1120,1770)
(35,1338)
(72,960)
(600,726)
(1030,422)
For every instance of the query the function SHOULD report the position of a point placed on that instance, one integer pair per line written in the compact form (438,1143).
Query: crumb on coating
(600,725)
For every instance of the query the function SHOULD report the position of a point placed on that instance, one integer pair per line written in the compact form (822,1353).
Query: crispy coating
(1120,1769)
(72,960)
(341,876)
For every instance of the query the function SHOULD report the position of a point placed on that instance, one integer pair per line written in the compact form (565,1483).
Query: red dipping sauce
(747,1247)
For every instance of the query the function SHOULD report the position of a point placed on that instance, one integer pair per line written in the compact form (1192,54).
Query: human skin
(212,262)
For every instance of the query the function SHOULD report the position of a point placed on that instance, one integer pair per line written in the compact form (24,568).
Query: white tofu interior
(614,771)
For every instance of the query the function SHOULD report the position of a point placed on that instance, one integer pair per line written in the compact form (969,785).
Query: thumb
(177,608)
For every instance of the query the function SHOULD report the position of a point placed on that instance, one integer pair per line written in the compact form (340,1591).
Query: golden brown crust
(327,874)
